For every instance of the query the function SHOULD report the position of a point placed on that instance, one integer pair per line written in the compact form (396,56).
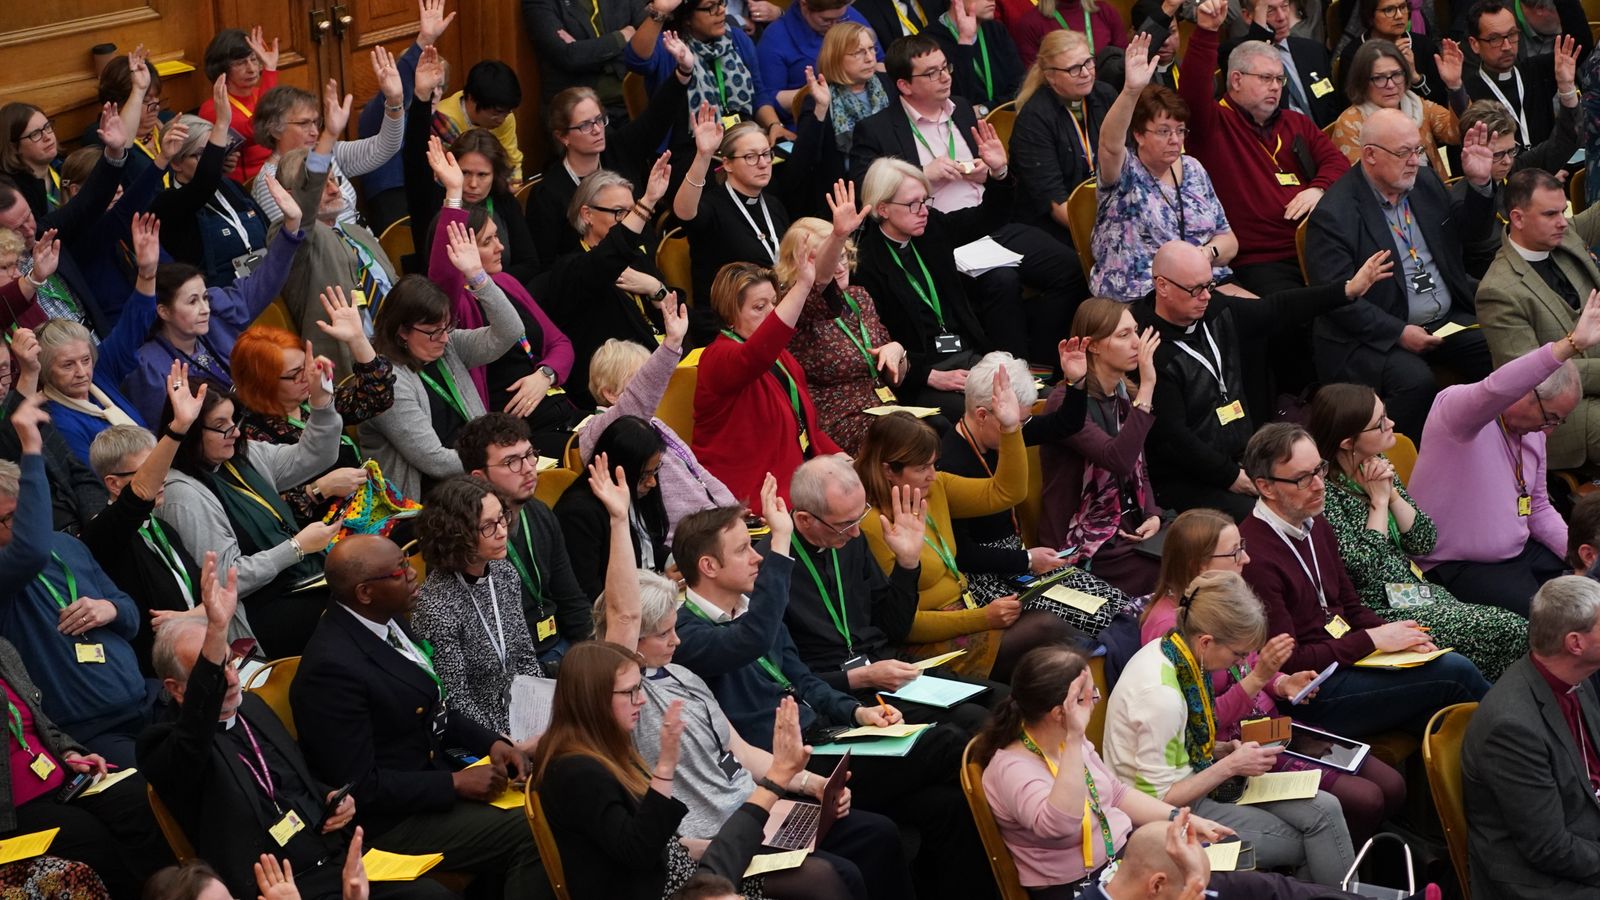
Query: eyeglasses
(938,74)
(400,572)
(228,432)
(635,693)
(128,474)
(751,159)
(845,530)
(1384,423)
(6,519)
(437,335)
(494,526)
(1076,71)
(315,122)
(1404,154)
(153,105)
(293,374)
(862,53)
(37,135)
(515,464)
(1385,79)
(1279,80)
(718,6)
(1398,9)
(1167,134)
(916,206)
(1236,554)
(1549,420)
(1508,154)
(591,126)
(1194,291)
(1500,40)
(1304,481)
(645,474)
(618,213)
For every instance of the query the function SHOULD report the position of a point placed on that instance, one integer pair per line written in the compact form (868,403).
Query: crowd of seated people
(1023,362)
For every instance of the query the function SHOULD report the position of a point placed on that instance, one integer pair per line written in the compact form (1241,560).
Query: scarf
(737,82)
(1411,105)
(258,514)
(1200,733)
(98,405)
(849,108)
(1101,504)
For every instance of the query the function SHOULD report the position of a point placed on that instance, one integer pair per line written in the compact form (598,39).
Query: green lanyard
(1091,804)
(305,410)
(950,133)
(532,578)
(984,73)
(15,724)
(931,295)
(722,89)
(72,583)
(794,392)
(840,615)
(449,393)
(765,662)
(154,533)
(862,344)
(941,549)
(1088,30)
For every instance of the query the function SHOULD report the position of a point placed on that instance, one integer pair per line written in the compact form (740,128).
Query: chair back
(672,261)
(553,483)
(677,404)
(1441,757)
(994,846)
(1081,206)
(276,315)
(271,683)
(634,95)
(398,242)
(1095,731)
(182,850)
(526,190)
(1578,190)
(1300,245)
(1403,456)
(545,840)
(1003,118)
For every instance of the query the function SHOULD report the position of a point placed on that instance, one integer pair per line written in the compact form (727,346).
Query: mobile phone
(332,806)
(74,787)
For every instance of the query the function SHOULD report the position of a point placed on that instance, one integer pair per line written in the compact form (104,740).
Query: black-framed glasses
(844,530)
(1385,79)
(153,105)
(650,473)
(1500,40)
(937,73)
(1074,71)
(1196,290)
(1279,80)
(753,158)
(228,432)
(1508,155)
(916,206)
(1404,154)
(437,335)
(1304,481)
(515,464)
(1550,421)
(713,8)
(635,693)
(1384,423)
(293,374)
(128,474)
(36,136)
(494,526)
(1236,554)
(1396,9)
(591,126)
(617,213)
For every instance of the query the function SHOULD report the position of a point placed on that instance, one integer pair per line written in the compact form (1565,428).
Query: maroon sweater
(1291,599)
(1239,157)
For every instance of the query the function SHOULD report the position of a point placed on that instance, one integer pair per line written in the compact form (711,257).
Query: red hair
(256,364)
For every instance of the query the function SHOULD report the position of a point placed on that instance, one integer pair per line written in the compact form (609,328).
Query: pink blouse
(1045,842)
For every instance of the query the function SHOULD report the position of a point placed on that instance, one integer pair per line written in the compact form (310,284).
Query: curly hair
(447,529)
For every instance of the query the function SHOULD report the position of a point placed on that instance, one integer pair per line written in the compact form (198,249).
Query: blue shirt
(391,174)
(789,45)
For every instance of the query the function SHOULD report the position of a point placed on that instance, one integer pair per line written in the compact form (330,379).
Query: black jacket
(1048,155)
(880,14)
(1005,63)
(76,496)
(562,596)
(114,539)
(587,527)
(1537,98)
(888,133)
(878,609)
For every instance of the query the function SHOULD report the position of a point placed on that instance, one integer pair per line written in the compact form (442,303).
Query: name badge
(1337,627)
(729,121)
(947,343)
(358,297)
(1288,179)
(1230,412)
(805,441)
(1422,282)
(854,662)
(287,827)
(884,395)
(1524,508)
(1403,596)
(1320,89)
(91,653)
(546,628)
(968,600)
(729,764)
(42,766)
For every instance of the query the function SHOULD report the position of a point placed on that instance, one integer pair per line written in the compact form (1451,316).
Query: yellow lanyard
(244,488)
(1271,154)
(905,23)
(1083,139)
(1091,804)
(247,113)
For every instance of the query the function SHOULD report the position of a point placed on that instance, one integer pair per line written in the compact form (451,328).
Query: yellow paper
(690,359)
(547,463)
(382,866)
(170,67)
(888,731)
(1404,659)
(107,781)
(763,863)
(1076,599)
(511,799)
(1275,786)
(1224,857)
(26,846)
(935,661)
(921,412)
(1450,328)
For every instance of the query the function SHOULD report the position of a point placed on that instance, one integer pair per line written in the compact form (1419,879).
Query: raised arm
(152,473)
(623,612)
(1113,150)
(707,138)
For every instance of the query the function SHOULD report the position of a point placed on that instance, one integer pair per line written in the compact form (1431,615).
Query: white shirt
(1529,255)
(382,632)
(1280,524)
(714,612)
(938,131)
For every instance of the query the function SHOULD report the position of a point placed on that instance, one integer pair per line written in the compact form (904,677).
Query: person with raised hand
(17,293)
(249,66)
(704,45)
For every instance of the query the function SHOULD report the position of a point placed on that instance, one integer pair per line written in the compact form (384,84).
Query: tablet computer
(1331,750)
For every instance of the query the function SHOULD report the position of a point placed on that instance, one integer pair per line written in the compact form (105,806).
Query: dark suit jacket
(1533,823)
(888,133)
(1538,92)
(1005,63)
(1349,226)
(366,716)
(1314,64)
(885,24)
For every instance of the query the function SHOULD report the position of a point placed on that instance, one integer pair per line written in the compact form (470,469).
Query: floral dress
(1140,213)
(842,378)
(1491,637)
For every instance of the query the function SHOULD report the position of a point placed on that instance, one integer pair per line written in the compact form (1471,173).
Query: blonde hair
(1054,45)
(804,235)
(841,40)
(884,178)
(613,365)
(1222,605)
(728,288)
(12,242)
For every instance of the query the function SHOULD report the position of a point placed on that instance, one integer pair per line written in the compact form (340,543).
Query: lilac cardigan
(686,486)
(1462,445)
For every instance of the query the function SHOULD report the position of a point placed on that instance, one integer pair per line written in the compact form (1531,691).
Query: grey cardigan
(56,741)
(350,159)
(402,439)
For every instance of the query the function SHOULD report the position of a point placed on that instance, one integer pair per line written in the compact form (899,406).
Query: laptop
(799,825)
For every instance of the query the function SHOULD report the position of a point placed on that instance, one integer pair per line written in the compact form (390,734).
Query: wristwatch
(661,294)
(548,373)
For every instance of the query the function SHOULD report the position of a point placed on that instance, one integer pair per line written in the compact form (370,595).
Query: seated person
(1310,89)
(1135,213)
(1380,529)
(609,286)
(710,54)
(790,45)
(200,324)
(272,377)
(28,155)
(1205,412)
(76,495)
(521,380)
(485,185)
(848,64)
(80,393)
(1265,194)
(70,623)
(1149,741)
(433,383)
(488,100)
(629,443)
(200,755)
(223,495)
(1551,155)
(851,363)
(1533,294)
(1205,540)
(896,20)
(496,448)
(1530,827)
(1500,541)
(629,380)
(1060,109)
(748,375)
(1583,535)
(468,608)
(207,219)
(131,83)
(16,291)
(582,47)
(1030,25)
(1520,81)
(1396,21)
(996,70)
(1378,78)
(361,678)
(1318,606)
(286,120)
(250,68)
(1097,501)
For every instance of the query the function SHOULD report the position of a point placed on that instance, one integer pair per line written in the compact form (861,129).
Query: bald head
(1147,870)
(355,559)
(1182,277)
(1391,152)
(1391,128)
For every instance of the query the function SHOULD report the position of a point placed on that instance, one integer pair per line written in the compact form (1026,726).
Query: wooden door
(355,27)
(299,60)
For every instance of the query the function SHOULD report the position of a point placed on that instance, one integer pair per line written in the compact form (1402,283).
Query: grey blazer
(55,740)
(402,439)
(1533,823)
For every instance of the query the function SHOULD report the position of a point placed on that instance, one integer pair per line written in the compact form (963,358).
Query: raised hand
(429,74)
(789,750)
(1074,359)
(445,168)
(821,94)
(25,355)
(185,403)
(966,22)
(1377,267)
(656,186)
(671,731)
(388,75)
(318,373)
(1585,333)
(113,132)
(1139,65)
(674,321)
(335,112)
(1448,61)
(463,250)
(1003,402)
(991,149)
(842,203)
(46,255)
(176,134)
(138,71)
(222,112)
(1149,343)
(432,22)
(258,45)
(343,316)
(707,130)
(1079,704)
(145,229)
(610,487)
(1477,160)
(679,51)
(1566,62)
(219,592)
(774,510)
(27,418)
(356,886)
(293,215)
(1210,14)
(904,532)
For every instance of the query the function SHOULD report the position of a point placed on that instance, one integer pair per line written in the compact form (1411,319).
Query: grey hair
(658,599)
(808,488)
(980,381)
(1563,605)
(164,654)
(199,133)
(884,178)
(58,333)
(1563,380)
(1243,54)
(1271,445)
(272,112)
(115,444)
(592,184)
(10,476)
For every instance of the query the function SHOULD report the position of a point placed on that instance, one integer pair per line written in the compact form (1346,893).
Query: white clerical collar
(1529,255)
(1281,525)
(227,723)
(1507,75)
(898,243)
(716,613)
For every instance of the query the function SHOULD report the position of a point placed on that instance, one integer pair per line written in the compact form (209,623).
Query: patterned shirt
(1140,213)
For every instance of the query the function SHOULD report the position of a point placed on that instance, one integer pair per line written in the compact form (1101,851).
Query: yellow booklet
(935,661)
(1403,659)
(1076,599)
(763,863)
(1450,328)
(888,731)
(1224,857)
(383,866)
(921,412)
(106,781)
(26,846)
(1275,786)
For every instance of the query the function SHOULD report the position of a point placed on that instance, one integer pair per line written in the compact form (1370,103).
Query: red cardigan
(1237,156)
(252,155)
(744,426)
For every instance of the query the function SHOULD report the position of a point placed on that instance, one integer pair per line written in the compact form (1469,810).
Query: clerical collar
(901,244)
(227,723)
(1507,75)
(1529,255)
(1281,525)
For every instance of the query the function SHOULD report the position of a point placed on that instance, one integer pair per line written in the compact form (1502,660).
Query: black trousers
(1287,364)
(112,832)
(1030,329)
(1509,585)
(1178,494)
(1407,381)
(478,838)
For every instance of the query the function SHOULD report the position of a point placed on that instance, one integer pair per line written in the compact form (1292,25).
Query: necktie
(371,281)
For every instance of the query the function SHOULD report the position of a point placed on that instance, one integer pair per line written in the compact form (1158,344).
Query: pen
(882,706)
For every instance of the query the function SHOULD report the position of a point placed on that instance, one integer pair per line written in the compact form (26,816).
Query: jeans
(1357,702)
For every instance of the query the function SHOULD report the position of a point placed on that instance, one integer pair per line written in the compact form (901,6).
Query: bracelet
(398,107)
(1573,344)
(666,778)
(693,183)
(773,786)
(648,209)
(1571,93)
(37,284)
(452,203)
(178,436)
(299,554)
(805,781)
(686,74)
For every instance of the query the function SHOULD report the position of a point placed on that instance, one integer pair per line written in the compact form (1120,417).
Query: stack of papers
(26,846)
(1275,786)
(983,255)
(921,412)
(904,729)
(384,866)
(930,690)
(1404,659)
(775,862)
(888,746)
